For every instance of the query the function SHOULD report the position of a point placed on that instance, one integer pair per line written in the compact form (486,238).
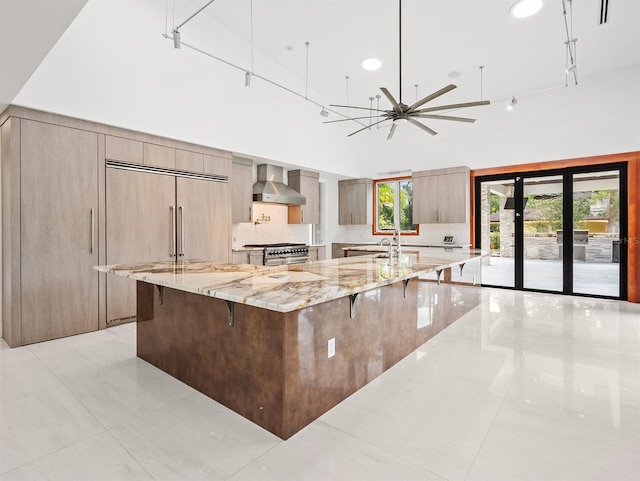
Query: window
(393,201)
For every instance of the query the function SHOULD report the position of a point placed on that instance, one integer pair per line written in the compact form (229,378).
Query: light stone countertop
(292,287)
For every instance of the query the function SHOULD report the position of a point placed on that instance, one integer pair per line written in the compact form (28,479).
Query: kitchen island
(281,345)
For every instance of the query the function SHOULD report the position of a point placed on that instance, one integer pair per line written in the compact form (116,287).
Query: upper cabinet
(124,150)
(307,183)
(241,190)
(159,156)
(355,201)
(441,196)
(189,161)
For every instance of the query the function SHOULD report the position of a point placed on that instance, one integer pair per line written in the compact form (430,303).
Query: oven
(283,253)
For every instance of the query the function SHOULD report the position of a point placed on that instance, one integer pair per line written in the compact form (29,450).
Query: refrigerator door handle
(181,212)
(172,242)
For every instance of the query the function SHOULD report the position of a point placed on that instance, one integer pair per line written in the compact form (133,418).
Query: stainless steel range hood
(271,187)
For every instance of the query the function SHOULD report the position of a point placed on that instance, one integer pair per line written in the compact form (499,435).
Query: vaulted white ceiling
(113,65)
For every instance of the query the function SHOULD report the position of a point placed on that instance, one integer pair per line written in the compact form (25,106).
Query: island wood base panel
(273,368)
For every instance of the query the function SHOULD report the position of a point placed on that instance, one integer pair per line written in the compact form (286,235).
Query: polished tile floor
(525,386)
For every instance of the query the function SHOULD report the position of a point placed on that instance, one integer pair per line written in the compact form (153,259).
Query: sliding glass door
(596,235)
(554,231)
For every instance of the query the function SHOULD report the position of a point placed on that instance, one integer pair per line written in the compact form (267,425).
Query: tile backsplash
(277,229)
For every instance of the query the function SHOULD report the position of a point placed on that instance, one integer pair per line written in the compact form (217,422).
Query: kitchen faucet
(396,239)
(387,243)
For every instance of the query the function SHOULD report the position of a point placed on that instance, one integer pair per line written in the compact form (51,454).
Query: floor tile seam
(250,462)
(126,450)
(51,453)
(498,410)
(67,386)
(380,448)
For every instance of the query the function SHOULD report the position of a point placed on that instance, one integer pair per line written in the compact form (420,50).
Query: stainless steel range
(284,253)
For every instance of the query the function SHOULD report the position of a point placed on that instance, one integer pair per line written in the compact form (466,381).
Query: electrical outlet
(331,347)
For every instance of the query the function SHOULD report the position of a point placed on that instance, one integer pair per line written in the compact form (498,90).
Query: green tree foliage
(386,203)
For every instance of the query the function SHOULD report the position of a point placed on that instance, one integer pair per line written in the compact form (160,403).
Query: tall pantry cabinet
(50,190)
(77,194)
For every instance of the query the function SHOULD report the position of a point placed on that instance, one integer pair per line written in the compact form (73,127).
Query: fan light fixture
(371,64)
(525,8)
(400,110)
(324,112)
(512,104)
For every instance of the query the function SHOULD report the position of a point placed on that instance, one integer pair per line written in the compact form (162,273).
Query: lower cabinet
(253,257)
(50,231)
(317,253)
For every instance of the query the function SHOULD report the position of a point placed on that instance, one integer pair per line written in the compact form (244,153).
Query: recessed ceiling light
(454,74)
(371,63)
(525,8)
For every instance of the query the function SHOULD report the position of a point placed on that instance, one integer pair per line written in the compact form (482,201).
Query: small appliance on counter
(448,240)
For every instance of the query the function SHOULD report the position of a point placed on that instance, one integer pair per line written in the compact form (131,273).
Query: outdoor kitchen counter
(292,287)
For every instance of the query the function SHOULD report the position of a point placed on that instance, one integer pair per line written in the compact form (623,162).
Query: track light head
(176,38)
(247,79)
(512,104)
(324,113)
(570,68)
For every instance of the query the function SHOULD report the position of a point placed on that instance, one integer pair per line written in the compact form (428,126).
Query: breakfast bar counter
(281,345)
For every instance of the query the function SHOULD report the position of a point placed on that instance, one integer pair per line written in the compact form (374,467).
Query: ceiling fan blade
(429,98)
(352,107)
(443,117)
(393,129)
(387,94)
(353,118)
(368,126)
(422,126)
(452,106)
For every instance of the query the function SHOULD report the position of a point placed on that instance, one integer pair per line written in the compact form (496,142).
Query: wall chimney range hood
(271,188)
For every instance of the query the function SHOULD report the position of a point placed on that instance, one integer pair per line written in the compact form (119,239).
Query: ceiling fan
(410,113)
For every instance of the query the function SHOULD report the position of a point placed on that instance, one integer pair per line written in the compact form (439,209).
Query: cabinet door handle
(301,216)
(181,215)
(93,228)
(172,214)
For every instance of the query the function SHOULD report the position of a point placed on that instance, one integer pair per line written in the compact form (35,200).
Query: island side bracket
(352,305)
(230,305)
(160,294)
(405,283)
(438,272)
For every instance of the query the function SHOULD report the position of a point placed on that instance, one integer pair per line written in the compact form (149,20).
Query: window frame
(396,208)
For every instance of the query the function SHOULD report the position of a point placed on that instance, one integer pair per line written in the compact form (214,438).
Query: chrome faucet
(387,243)
(396,240)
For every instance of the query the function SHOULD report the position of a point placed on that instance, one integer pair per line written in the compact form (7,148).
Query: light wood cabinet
(203,219)
(253,257)
(355,202)
(441,196)
(189,161)
(217,164)
(159,156)
(306,183)
(140,228)
(153,217)
(317,253)
(241,190)
(51,251)
(124,150)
